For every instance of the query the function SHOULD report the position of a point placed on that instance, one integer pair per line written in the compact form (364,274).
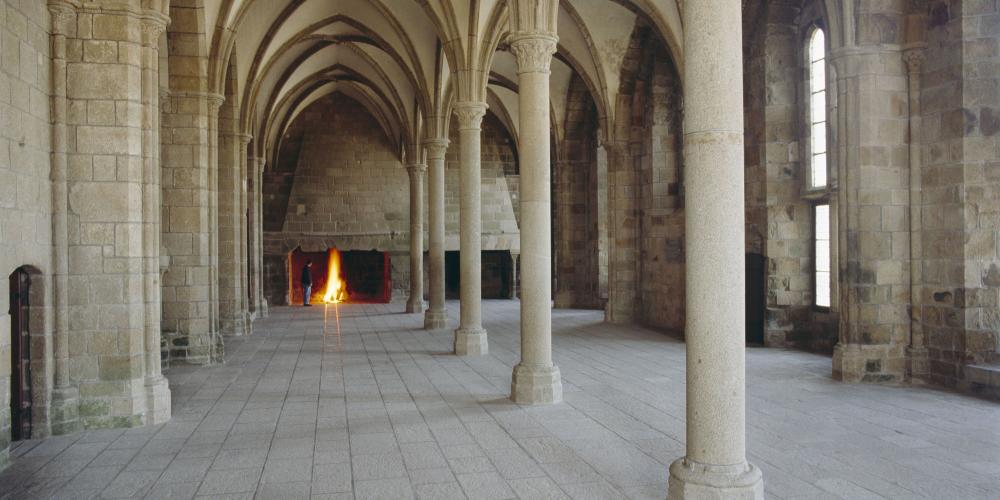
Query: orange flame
(336,288)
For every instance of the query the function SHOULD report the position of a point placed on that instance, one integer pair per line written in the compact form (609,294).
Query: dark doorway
(755,299)
(20,353)
(368,275)
(497,274)
(452,274)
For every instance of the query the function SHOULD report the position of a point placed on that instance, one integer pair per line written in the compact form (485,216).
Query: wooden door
(20,352)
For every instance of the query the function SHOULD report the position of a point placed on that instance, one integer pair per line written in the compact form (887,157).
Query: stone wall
(576,217)
(346,187)
(25,190)
(981,100)
(645,228)
(961,190)
(661,197)
(779,206)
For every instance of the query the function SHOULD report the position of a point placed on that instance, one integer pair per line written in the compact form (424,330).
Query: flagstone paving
(364,404)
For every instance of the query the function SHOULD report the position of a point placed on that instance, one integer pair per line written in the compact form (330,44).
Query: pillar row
(715,466)
(536,380)
(470,337)
(416,302)
(435,317)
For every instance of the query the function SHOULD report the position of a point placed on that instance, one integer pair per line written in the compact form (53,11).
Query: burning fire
(336,288)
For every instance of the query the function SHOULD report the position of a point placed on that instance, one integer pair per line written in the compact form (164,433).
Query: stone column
(232,265)
(189,305)
(244,234)
(257,238)
(918,364)
(215,102)
(101,211)
(536,379)
(436,317)
(470,337)
(715,466)
(416,302)
(874,314)
(157,387)
(64,410)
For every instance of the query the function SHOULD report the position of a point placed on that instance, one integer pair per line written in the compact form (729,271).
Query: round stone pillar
(715,466)
(435,317)
(470,337)
(416,302)
(536,380)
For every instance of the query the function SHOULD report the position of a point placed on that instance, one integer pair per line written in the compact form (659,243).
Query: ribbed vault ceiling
(398,58)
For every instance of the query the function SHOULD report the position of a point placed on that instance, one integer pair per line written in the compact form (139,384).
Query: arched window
(816,51)
(817,175)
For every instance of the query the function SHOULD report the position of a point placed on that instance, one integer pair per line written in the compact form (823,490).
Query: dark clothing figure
(307,281)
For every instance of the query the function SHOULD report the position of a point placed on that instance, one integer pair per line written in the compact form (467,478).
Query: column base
(157,400)
(848,363)
(414,306)
(435,320)
(690,480)
(471,342)
(918,365)
(536,385)
(64,411)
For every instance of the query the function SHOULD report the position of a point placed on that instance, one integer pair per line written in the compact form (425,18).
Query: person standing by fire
(307,283)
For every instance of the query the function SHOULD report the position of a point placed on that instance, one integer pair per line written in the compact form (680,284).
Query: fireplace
(357,276)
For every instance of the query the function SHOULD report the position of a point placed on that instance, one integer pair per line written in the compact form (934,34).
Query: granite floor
(377,408)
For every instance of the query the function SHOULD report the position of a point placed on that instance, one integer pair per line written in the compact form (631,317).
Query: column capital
(533,51)
(914,57)
(63,14)
(436,148)
(470,114)
(244,138)
(416,169)
(215,101)
(153,25)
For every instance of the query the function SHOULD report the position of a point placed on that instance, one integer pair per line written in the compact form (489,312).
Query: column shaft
(916,353)
(535,380)
(213,213)
(64,409)
(715,465)
(436,317)
(416,302)
(256,240)
(157,387)
(244,242)
(470,337)
(232,265)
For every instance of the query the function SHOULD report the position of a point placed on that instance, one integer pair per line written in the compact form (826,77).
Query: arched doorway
(20,353)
